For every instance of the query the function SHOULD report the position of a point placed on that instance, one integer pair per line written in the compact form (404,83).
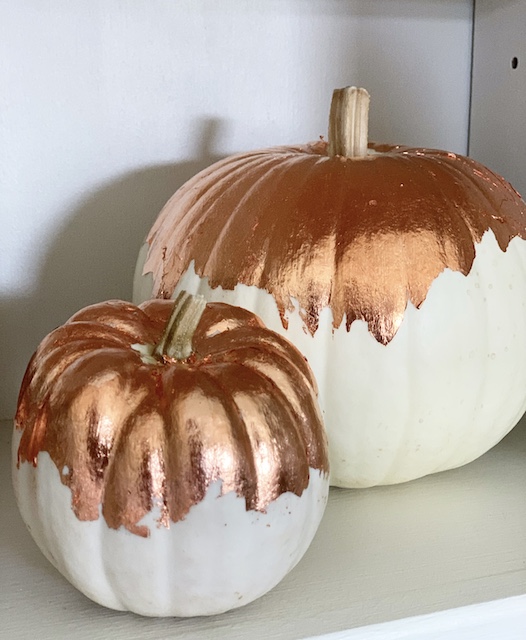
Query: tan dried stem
(176,342)
(349,122)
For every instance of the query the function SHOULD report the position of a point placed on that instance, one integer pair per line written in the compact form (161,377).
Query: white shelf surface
(381,555)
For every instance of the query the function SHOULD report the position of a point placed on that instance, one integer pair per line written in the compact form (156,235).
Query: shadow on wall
(92,259)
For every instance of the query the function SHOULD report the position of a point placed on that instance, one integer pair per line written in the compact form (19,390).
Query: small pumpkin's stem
(176,341)
(349,122)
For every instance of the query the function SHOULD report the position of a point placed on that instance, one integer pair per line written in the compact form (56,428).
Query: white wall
(107,106)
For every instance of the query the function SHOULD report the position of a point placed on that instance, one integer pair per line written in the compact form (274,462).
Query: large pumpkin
(399,272)
(182,480)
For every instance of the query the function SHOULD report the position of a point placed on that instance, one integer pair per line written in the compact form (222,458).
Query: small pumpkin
(180,479)
(400,273)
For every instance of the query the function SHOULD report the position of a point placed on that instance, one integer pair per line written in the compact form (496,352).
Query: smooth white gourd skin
(219,557)
(448,387)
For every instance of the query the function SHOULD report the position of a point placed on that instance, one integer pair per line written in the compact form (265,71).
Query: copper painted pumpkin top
(127,435)
(361,236)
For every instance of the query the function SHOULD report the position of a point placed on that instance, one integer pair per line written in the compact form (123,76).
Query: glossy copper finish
(361,236)
(129,435)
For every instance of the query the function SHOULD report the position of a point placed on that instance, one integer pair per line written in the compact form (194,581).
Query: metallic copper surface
(361,236)
(130,435)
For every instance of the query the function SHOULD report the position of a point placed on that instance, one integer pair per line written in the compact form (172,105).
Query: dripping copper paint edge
(332,230)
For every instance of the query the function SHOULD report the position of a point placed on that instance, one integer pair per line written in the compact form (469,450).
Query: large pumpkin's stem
(177,338)
(349,122)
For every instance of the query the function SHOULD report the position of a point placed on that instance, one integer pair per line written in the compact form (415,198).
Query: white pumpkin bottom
(219,557)
(448,387)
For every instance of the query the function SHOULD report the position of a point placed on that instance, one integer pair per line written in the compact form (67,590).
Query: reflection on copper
(361,236)
(131,436)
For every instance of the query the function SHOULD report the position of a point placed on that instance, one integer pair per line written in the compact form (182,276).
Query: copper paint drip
(129,435)
(361,236)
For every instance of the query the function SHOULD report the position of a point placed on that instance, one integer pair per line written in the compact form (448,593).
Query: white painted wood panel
(498,113)
(107,106)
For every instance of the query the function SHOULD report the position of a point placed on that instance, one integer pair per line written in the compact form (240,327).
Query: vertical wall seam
(470,99)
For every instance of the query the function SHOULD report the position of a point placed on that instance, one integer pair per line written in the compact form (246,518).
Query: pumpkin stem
(176,341)
(349,122)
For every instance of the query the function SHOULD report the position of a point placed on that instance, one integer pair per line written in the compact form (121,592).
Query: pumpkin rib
(71,333)
(261,341)
(283,444)
(24,405)
(128,467)
(303,407)
(144,413)
(488,202)
(191,188)
(513,216)
(190,224)
(230,166)
(338,285)
(93,365)
(397,460)
(70,336)
(448,255)
(270,168)
(239,447)
(76,373)
(253,357)
(283,268)
(36,436)
(481,381)
(466,221)
(60,358)
(239,178)
(124,317)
